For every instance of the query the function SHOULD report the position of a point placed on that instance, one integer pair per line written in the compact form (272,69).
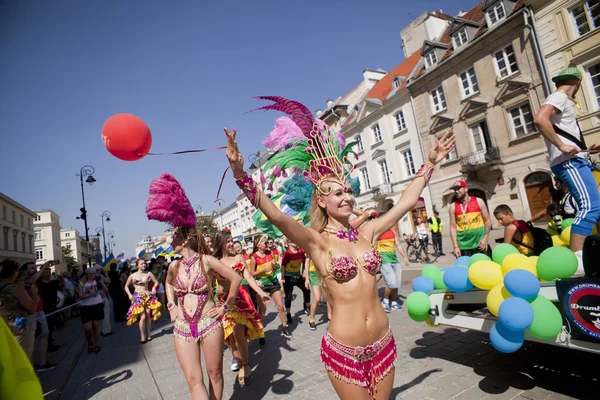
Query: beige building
(16,231)
(46,226)
(81,250)
(569,36)
(481,80)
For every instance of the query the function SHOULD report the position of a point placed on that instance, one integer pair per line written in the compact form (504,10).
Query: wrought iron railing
(480,158)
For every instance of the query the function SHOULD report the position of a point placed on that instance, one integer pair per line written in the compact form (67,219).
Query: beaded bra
(198,287)
(345,268)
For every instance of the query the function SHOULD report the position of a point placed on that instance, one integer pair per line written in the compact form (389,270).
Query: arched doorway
(537,188)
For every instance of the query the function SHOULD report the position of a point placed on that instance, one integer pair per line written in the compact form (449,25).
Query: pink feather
(285,131)
(168,203)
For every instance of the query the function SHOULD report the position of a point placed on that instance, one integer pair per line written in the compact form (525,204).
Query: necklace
(463,208)
(187,264)
(351,233)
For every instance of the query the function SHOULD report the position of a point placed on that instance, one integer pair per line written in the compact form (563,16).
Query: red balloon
(126,137)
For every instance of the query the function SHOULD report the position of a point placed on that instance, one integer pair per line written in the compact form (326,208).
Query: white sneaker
(234,365)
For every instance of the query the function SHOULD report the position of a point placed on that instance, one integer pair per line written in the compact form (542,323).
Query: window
(39,235)
(409,163)
(39,254)
(22,221)
(23,242)
(400,121)
(469,82)
(522,120)
(594,72)
(478,140)
(14,217)
(15,241)
(430,59)
(460,38)
(4,212)
(496,13)
(68,246)
(396,83)
(506,63)
(586,16)
(377,133)
(68,234)
(439,100)
(385,172)
(365,176)
(37,218)
(453,154)
(359,143)
(6,229)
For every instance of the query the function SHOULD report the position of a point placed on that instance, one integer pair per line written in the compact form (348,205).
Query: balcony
(380,192)
(480,159)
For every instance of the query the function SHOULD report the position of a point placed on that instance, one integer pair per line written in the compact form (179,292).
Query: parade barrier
(513,297)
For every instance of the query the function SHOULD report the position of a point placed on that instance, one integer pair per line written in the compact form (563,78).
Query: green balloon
(501,251)
(418,303)
(430,271)
(478,257)
(418,317)
(557,263)
(547,320)
(438,281)
(567,223)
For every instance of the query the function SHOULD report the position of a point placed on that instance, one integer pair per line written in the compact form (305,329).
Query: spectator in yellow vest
(436,226)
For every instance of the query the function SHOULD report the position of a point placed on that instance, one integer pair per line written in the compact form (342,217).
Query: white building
(149,244)
(228,218)
(16,231)
(46,226)
(81,250)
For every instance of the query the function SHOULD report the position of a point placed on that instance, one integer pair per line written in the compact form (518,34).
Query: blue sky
(188,69)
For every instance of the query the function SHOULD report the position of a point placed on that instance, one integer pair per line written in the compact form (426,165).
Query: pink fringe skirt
(362,366)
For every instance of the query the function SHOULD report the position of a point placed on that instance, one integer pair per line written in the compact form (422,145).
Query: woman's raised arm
(296,232)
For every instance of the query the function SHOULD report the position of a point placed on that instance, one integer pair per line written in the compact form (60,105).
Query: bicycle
(421,251)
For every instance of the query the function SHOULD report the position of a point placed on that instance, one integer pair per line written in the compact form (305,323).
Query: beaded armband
(249,187)
(170,306)
(425,171)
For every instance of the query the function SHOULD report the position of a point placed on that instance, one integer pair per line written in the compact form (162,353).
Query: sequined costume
(193,327)
(142,301)
(243,311)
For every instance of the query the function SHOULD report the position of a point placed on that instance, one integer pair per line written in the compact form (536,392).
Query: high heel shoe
(246,380)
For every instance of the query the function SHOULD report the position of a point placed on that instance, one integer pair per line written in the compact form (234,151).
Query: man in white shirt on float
(568,153)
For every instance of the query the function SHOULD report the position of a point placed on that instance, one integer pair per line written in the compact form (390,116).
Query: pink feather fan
(286,130)
(168,203)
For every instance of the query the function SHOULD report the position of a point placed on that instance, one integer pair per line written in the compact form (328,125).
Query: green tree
(207,226)
(71,262)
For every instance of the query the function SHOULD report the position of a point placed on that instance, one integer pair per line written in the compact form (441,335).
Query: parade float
(516,298)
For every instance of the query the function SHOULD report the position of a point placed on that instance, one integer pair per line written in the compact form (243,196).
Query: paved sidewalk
(433,363)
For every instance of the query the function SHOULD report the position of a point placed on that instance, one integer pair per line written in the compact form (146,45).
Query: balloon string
(187,151)
(219,200)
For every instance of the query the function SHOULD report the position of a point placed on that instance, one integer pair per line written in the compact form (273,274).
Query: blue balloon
(457,279)
(515,314)
(506,340)
(423,284)
(522,283)
(463,260)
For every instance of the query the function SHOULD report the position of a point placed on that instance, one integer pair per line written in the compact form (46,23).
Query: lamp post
(256,164)
(86,170)
(111,236)
(198,209)
(105,216)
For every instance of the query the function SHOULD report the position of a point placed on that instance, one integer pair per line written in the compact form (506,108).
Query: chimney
(329,103)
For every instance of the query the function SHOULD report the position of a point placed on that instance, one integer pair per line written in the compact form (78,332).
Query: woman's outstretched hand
(441,149)
(233,154)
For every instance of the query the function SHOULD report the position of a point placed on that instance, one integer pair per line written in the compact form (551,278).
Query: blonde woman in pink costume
(197,318)
(358,350)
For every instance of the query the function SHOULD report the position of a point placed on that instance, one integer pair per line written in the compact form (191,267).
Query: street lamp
(256,164)
(105,216)
(198,209)
(111,236)
(86,170)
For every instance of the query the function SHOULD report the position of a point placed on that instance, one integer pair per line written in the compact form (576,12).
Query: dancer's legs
(350,391)
(316,299)
(278,300)
(241,344)
(188,355)
(148,313)
(212,346)
(142,324)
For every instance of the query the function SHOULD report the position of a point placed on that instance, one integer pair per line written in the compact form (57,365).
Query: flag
(142,254)
(158,251)
(108,262)
(241,240)
(168,252)
(120,256)
(262,223)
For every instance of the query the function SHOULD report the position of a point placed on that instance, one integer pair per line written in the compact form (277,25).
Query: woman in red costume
(358,349)
(197,318)
(243,323)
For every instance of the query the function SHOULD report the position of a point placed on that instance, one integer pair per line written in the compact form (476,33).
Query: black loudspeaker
(591,256)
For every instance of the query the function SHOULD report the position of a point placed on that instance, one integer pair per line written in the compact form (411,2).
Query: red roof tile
(382,89)
(475,14)
(349,120)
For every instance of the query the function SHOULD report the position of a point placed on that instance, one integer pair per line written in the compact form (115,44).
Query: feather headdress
(168,203)
(307,144)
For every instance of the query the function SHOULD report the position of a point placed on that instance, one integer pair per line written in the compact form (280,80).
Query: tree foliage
(70,261)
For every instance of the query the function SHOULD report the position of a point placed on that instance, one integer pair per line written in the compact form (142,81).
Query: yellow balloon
(533,264)
(428,322)
(594,230)
(565,235)
(485,274)
(495,297)
(557,241)
(517,261)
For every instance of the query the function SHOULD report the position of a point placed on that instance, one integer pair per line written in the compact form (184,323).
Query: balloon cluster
(564,237)
(513,281)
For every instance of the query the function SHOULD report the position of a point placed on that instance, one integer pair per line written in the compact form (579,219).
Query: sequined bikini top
(345,268)
(141,282)
(199,286)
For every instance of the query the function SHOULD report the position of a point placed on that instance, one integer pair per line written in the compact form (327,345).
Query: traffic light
(83,213)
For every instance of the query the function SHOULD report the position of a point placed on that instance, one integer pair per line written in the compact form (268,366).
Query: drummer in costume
(358,350)
(145,307)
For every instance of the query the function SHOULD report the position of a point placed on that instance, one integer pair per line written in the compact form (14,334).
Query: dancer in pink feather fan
(358,349)
(189,280)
